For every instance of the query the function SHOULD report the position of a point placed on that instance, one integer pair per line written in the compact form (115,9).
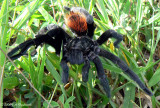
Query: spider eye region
(77,23)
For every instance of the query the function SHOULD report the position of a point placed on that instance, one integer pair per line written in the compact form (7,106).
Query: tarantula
(81,48)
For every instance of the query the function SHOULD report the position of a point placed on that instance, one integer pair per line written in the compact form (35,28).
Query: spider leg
(52,35)
(91,28)
(23,47)
(109,34)
(89,18)
(65,71)
(125,68)
(100,71)
(85,70)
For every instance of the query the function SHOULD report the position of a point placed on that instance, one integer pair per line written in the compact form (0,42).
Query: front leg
(22,48)
(55,35)
(52,35)
(110,34)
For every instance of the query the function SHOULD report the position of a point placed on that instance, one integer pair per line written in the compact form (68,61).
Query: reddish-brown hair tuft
(77,22)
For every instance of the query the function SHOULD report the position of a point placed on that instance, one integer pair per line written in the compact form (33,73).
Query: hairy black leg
(85,70)
(100,71)
(89,18)
(65,71)
(91,28)
(125,68)
(52,35)
(22,48)
(110,34)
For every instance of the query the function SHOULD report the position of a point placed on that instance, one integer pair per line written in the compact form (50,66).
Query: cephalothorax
(80,49)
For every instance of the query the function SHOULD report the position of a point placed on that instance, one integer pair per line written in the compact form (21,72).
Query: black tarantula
(79,49)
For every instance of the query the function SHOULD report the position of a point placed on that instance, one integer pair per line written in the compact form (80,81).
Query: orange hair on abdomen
(77,22)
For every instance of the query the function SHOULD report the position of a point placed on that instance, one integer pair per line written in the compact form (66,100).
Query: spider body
(80,49)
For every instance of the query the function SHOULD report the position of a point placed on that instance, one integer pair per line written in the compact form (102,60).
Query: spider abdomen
(77,22)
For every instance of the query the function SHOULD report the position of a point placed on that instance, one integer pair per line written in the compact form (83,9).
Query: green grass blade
(126,8)
(102,9)
(51,69)
(129,96)
(155,78)
(24,65)
(86,4)
(114,9)
(41,71)
(55,74)
(3,35)
(1,96)
(46,15)
(40,75)
(10,82)
(91,6)
(154,18)
(157,40)
(154,102)
(3,29)
(24,16)
(54,59)
(151,3)
(152,50)
(32,71)
(139,13)
(70,99)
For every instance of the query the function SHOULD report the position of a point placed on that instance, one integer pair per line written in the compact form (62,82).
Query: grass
(36,81)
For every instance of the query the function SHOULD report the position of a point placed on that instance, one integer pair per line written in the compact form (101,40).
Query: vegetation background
(36,81)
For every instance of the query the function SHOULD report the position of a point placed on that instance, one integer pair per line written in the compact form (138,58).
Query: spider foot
(116,45)
(148,91)
(117,36)
(22,48)
(105,84)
